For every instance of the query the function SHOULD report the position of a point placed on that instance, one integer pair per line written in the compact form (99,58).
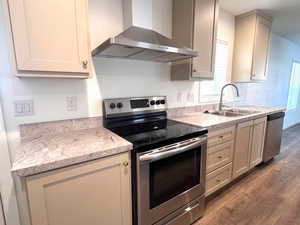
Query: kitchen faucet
(222,92)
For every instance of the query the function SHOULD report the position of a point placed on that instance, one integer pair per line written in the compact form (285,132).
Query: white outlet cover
(23,108)
(71,103)
(179,97)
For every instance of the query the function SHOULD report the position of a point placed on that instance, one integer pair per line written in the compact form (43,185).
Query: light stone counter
(48,146)
(56,150)
(215,121)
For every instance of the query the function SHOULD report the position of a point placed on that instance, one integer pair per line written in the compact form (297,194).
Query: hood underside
(143,44)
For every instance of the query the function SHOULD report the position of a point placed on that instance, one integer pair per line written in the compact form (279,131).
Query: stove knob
(162,102)
(152,102)
(119,105)
(157,102)
(112,105)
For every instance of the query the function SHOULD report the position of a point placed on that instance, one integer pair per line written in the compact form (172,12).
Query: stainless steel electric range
(168,160)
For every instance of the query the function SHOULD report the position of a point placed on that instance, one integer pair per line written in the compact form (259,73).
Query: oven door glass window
(174,175)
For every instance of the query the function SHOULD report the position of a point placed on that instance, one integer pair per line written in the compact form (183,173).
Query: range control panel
(133,105)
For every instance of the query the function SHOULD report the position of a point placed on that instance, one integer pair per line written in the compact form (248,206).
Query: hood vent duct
(143,44)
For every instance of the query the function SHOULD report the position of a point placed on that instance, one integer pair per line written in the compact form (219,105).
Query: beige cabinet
(258,140)
(249,145)
(50,36)
(97,192)
(218,179)
(242,148)
(195,26)
(219,156)
(220,147)
(251,48)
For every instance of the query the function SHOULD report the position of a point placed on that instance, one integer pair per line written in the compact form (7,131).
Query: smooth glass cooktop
(145,134)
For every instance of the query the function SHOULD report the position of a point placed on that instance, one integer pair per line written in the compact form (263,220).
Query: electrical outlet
(71,103)
(24,108)
(179,97)
(190,97)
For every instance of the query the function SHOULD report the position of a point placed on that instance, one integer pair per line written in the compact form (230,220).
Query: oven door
(169,178)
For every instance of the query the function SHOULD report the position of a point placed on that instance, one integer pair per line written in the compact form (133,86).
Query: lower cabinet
(218,178)
(219,158)
(242,148)
(249,146)
(93,193)
(232,151)
(258,141)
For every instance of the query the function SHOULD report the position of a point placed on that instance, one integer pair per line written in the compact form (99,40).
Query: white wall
(274,91)
(6,183)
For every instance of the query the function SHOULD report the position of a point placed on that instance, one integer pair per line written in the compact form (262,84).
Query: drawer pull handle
(221,137)
(220,157)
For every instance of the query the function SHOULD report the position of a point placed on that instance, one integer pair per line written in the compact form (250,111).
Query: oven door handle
(171,150)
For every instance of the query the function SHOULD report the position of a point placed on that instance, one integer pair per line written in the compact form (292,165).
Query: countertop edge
(37,169)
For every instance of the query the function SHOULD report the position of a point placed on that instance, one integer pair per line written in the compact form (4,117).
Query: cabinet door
(205,34)
(94,193)
(261,48)
(242,148)
(258,139)
(50,35)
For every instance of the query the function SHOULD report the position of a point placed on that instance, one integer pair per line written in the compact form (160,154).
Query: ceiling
(286,14)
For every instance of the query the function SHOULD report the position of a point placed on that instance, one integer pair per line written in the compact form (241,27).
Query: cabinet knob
(125,164)
(85,63)
(194,71)
(218,180)
(220,157)
(221,137)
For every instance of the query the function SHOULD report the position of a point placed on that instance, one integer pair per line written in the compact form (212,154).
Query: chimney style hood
(143,44)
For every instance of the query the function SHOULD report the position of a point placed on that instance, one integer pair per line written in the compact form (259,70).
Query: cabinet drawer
(219,156)
(220,136)
(218,178)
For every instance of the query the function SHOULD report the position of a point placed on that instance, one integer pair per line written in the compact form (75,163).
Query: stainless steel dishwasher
(273,136)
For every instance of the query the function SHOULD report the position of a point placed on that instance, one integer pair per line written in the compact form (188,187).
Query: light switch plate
(24,108)
(71,103)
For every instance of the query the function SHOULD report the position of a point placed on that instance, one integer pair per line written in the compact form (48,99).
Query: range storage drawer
(220,136)
(219,156)
(218,178)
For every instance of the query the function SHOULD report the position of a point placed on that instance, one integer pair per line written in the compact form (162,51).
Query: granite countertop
(53,151)
(215,121)
(48,149)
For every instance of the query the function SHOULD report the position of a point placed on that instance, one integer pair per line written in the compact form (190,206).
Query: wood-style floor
(270,195)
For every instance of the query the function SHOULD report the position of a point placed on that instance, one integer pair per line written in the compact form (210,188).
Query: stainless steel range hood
(143,44)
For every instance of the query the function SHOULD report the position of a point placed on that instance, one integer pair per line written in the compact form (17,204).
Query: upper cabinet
(50,37)
(251,50)
(195,26)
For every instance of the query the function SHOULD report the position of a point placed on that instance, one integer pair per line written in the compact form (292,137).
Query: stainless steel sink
(233,112)
(225,113)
